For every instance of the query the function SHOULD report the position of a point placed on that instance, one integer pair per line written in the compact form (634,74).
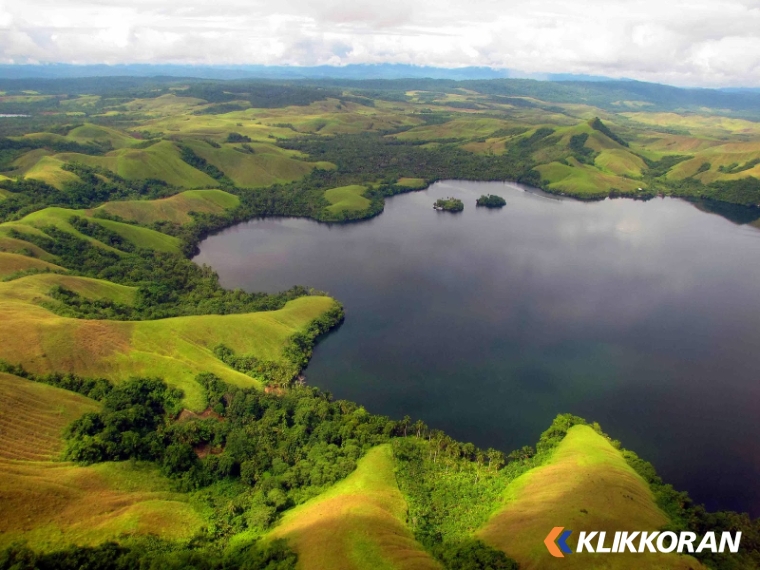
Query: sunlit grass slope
(358,524)
(34,416)
(582,180)
(176,349)
(347,198)
(52,504)
(175,209)
(99,134)
(161,161)
(459,128)
(59,217)
(413,183)
(10,263)
(586,486)
(49,169)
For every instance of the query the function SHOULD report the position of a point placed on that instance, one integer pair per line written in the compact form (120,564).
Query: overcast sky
(699,42)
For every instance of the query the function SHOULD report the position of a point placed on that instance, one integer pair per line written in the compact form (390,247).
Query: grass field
(357,524)
(267,165)
(347,198)
(620,162)
(99,134)
(49,169)
(586,486)
(52,504)
(59,217)
(176,349)
(34,416)
(175,209)
(412,183)
(10,263)
(583,180)
(460,128)
(161,161)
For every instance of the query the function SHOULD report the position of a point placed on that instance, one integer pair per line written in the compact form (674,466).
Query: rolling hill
(357,524)
(53,504)
(586,485)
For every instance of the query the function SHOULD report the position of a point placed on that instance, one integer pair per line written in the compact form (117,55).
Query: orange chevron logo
(553,539)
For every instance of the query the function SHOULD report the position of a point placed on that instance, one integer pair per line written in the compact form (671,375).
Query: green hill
(52,504)
(357,524)
(262,165)
(176,348)
(347,198)
(162,161)
(586,485)
(175,209)
(59,218)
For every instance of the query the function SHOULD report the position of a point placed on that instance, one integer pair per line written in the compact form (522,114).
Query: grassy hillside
(357,524)
(174,209)
(587,485)
(52,504)
(176,349)
(100,134)
(59,218)
(34,416)
(262,165)
(161,161)
(582,180)
(10,263)
(347,199)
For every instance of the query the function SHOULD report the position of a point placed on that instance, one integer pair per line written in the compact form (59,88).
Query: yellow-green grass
(332,116)
(176,349)
(33,418)
(11,263)
(711,125)
(59,218)
(586,486)
(52,504)
(357,524)
(165,105)
(656,145)
(174,209)
(27,160)
(413,183)
(35,288)
(347,198)
(459,128)
(266,166)
(583,180)
(13,245)
(217,127)
(620,162)
(80,101)
(161,161)
(94,133)
(721,155)
(48,169)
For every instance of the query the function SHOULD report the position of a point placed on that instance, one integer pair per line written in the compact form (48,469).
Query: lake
(643,316)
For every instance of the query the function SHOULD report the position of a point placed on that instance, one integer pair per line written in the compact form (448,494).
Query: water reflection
(640,315)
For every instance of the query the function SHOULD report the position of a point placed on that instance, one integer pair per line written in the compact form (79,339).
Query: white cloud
(700,42)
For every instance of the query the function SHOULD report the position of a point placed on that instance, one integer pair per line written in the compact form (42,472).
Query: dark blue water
(643,316)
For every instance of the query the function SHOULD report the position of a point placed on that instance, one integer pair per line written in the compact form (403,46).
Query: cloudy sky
(699,42)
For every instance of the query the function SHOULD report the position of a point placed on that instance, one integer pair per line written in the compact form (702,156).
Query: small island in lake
(491,201)
(449,204)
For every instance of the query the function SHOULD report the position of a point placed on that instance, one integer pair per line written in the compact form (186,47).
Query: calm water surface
(643,316)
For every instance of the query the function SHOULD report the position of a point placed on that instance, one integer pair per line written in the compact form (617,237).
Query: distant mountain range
(362,71)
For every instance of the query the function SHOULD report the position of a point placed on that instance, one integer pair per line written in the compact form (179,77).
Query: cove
(643,316)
